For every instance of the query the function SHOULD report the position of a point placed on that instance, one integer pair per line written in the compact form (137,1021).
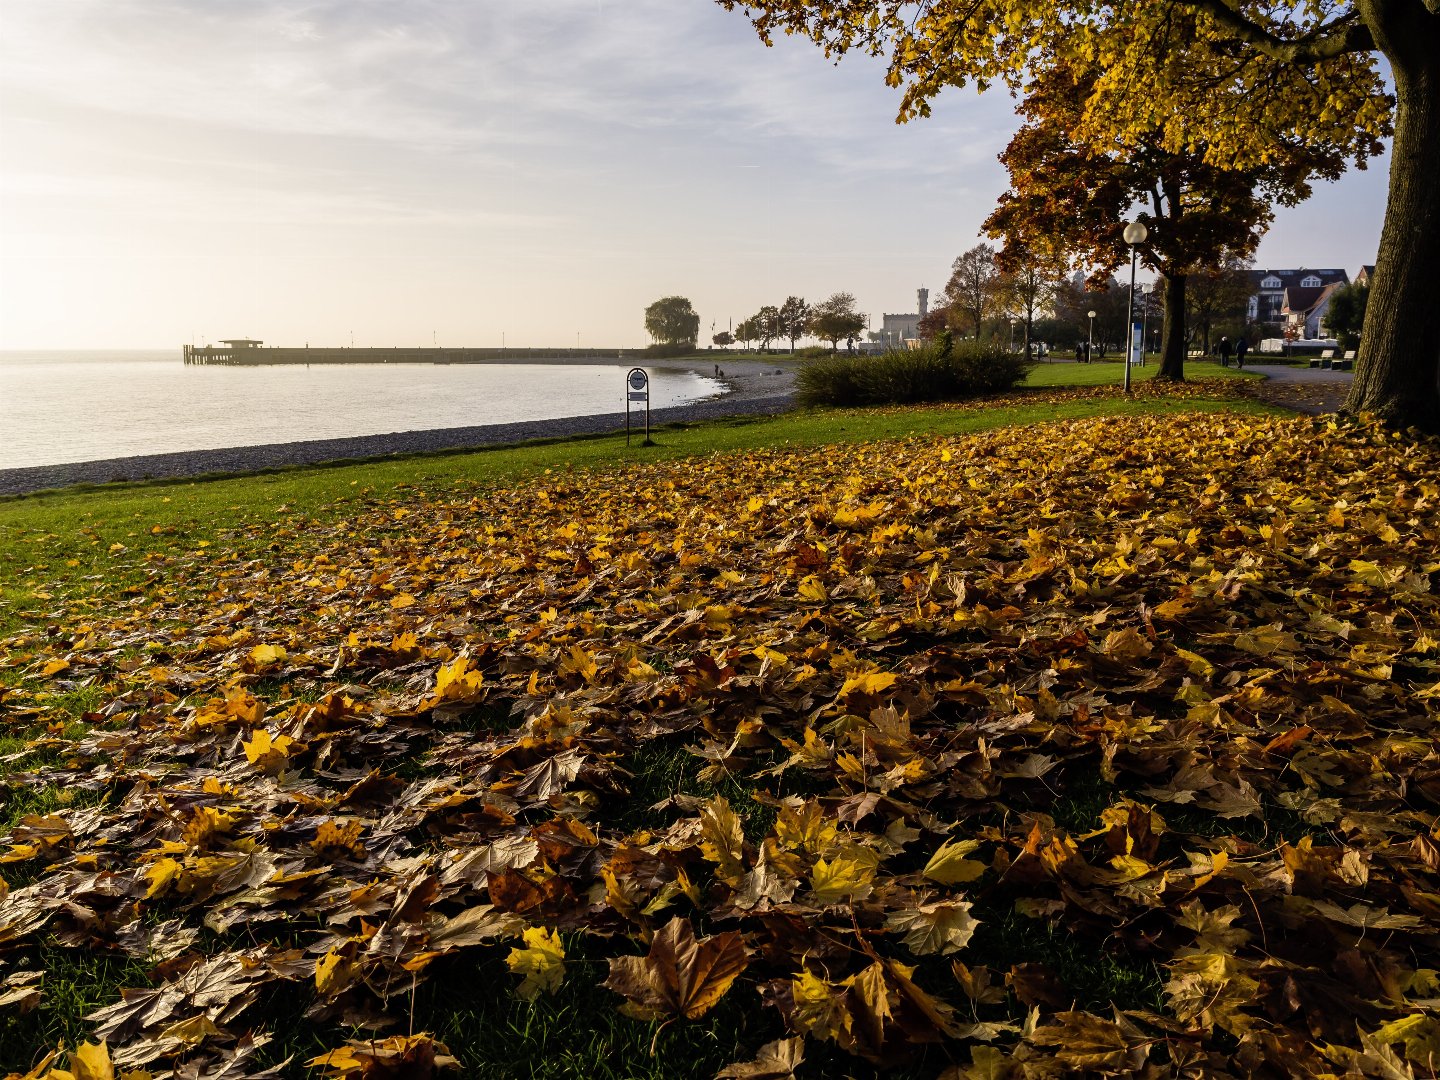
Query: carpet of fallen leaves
(429,734)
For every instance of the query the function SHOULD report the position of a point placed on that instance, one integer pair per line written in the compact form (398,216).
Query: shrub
(813,352)
(942,370)
(666,352)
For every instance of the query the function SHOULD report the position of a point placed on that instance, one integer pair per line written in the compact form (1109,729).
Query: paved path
(1304,389)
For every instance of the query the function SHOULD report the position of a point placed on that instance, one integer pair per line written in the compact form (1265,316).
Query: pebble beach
(752,388)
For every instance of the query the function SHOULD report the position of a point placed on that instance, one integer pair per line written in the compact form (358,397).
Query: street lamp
(1090,348)
(1135,234)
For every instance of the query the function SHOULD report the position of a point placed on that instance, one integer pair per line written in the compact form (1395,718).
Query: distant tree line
(672,322)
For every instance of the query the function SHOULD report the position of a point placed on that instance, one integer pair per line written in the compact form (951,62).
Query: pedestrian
(1079,352)
(1225,352)
(1240,349)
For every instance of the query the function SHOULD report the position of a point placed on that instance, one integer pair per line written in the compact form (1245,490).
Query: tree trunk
(1172,333)
(1397,375)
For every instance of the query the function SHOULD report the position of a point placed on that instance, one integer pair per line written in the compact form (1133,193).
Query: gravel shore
(752,389)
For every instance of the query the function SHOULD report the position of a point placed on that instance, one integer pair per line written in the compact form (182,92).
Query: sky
(479,172)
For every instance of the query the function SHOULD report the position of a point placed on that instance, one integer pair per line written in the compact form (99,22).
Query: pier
(245,352)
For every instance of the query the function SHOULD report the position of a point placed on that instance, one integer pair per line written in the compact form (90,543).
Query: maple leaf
(1212,989)
(400,1057)
(264,657)
(934,928)
(266,754)
(723,840)
(335,839)
(819,1007)
(776,1060)
(1083,1041)
(541,962)
(681,976)
(458,682)
(847,877)
(334,973)
(949,866)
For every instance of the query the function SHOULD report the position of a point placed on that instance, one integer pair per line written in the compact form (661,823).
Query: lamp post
(1135,234)
(1090,348)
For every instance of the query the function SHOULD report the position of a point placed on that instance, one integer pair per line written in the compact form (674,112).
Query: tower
(924,297)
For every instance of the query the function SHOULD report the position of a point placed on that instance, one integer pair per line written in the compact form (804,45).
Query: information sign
(638,383)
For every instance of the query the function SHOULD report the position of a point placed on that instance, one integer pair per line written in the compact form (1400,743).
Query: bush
(813,352)
(942,370)
(667,352)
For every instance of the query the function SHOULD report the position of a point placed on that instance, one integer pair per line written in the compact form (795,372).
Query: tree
(766,324)
(672,321)
(933,322)
(794,318)
(1027,287)
(971,290)
(724,339)
(1198,214)
(1345,317)
(1218,295)
(835,318)
(1107,298)
(747,331)
(1217,76)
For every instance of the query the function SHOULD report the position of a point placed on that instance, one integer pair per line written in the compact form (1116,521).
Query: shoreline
(752,388)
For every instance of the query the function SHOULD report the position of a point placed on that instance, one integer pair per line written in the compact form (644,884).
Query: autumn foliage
(840,734)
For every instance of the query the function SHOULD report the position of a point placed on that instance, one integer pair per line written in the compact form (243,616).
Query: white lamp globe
(1135,233)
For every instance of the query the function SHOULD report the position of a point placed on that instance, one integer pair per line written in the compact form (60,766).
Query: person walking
(1224,352)
(1240,349)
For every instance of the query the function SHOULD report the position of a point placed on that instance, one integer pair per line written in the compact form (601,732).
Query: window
(1270,283)
(1311,282)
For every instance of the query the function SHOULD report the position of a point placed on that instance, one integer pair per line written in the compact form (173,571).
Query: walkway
(1304,389)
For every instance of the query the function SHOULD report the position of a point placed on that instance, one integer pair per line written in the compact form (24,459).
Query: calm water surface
(58,407)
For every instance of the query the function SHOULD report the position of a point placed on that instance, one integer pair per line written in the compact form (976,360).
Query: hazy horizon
(179,171)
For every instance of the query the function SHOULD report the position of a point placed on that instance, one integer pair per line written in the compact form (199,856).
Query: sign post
(637,384)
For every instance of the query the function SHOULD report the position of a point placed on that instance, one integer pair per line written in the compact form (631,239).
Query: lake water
(58,407)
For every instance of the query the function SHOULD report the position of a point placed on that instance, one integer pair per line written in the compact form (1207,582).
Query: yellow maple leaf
(334,973)
(162,874)
(849,876)
(871,682)
(541,962)
(267,754)
(458,681)
(263,656)
(949,866)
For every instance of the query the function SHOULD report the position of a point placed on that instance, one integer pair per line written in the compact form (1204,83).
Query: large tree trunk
(1397,376)
(1172,333)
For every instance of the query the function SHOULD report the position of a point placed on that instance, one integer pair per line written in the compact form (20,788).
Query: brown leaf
(681,976)
(776,1060)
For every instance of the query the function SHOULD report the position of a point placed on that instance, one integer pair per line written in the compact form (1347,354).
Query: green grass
(1112,373)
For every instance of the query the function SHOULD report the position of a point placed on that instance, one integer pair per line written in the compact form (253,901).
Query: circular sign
(638,379)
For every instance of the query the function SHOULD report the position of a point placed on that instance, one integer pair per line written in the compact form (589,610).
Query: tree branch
(1346,35)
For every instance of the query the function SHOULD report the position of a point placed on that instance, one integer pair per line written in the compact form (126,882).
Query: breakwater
(254,355)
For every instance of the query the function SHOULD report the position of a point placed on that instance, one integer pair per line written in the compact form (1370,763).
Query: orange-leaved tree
(1221,77)
(1073,197)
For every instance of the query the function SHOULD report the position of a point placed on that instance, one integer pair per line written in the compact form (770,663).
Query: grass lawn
(917,720)
(1112,372)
